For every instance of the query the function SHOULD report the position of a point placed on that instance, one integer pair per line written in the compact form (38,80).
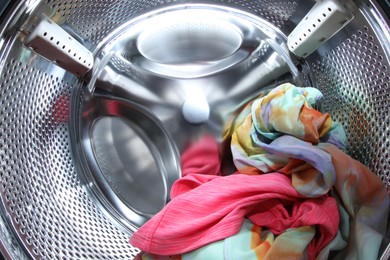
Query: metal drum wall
(47,209)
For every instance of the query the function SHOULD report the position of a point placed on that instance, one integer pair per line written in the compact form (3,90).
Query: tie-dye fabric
(284,111)
(280,131)
(277,141)
(363,204)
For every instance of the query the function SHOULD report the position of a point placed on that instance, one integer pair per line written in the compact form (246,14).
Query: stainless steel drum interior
(71,146)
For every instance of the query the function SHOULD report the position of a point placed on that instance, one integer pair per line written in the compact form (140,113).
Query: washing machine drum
(100,98)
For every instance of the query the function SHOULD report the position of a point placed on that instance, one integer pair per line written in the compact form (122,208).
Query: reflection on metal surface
(188,47)
(187,39)
(196,110)
(129,164)
(46,210)
(191,72)
(130,161)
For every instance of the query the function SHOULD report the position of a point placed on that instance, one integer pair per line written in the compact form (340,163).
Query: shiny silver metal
(50,211)
(190,90)
(130,161)
(190,86)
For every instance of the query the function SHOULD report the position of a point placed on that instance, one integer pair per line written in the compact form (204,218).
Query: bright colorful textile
(285,112)
(207,208)
(363,206)
(280,132)
(299,148)
(251,243)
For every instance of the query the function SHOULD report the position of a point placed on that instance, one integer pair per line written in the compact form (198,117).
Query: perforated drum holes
(40,185)
(355,87)
(42,194)
(94,20)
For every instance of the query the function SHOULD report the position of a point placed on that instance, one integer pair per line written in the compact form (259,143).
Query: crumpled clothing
(363,204)
(285,112)
(265,142)
(206,208)
(279,131)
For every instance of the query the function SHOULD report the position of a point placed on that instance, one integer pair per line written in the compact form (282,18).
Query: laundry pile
(295,193)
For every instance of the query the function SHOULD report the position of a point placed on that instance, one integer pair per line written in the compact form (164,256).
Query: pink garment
(206,208)
(201,157)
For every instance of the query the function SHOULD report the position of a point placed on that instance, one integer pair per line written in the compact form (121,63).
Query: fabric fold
(280,130)
(207,208)
(216,209)
(294,188)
